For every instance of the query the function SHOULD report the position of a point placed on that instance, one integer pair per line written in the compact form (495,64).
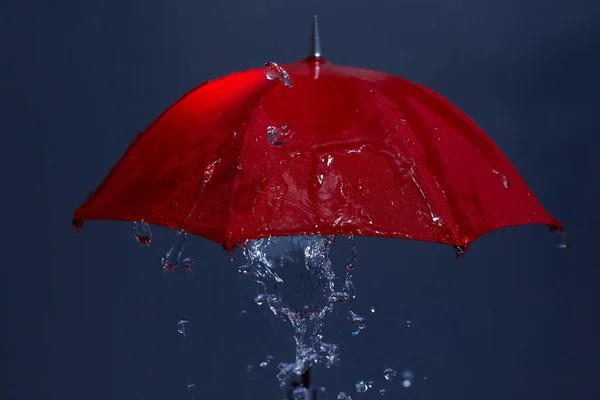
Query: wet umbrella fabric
(341,151)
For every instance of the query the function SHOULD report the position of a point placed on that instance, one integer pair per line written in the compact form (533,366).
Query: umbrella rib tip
(316,39)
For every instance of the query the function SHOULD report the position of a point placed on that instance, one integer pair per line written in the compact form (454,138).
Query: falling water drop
(371,384)
(250,368)
(243,313)
(171,259)
(244,269)
(460,251)
(373,309)
(361,387)
(277,136)
(274,71)
(263,364)
(390,375)
(357,320)
(408,323)
(407,377)
(183,327)
(382,392)
(560,238)
(142,233)
(343,396)
(188,264)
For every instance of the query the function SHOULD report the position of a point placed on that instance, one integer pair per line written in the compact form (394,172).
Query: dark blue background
(91,316)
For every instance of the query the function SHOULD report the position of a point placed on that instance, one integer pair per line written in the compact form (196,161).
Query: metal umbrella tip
(316,40)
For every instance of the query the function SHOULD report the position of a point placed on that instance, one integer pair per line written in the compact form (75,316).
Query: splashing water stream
(305,304)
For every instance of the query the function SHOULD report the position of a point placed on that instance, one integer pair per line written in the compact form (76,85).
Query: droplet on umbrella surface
(183,326)
(188,264)
(343,396)
(142,232)
(171,259)
(250,368)
(390,374)
(299,393)
(277,136)
(408,323)
(357,320)
(243,313)
(263,364)
(361,387)
(403,121)
(274,71)
(503,179)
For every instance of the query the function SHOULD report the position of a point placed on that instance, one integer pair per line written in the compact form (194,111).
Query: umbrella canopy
(316,148)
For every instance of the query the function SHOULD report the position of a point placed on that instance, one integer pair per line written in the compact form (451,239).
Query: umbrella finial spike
(316,40)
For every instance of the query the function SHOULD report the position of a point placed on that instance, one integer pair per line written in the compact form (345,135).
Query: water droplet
(390,375)
(244,269)
(263,364)
(560,238)
(403,121)
(142,233)
(277,136)
(371,384)
(382,392)
(183,327)
(243,313)
(190,386)
(372,309)
(340,297)
(460,250)
(171,259)
(209,171)
(343,396)
(274,71)
(407,377)
(250,368)
(361,387)
(503,179)
(357,320)
(260,299)
(269,358)
(188,264)
(300,393)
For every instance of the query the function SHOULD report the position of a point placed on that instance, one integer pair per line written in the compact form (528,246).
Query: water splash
(304,297)
(142,233)
(274,71)
(171,259)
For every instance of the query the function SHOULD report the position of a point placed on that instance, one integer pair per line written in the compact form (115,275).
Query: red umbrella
(316,148)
